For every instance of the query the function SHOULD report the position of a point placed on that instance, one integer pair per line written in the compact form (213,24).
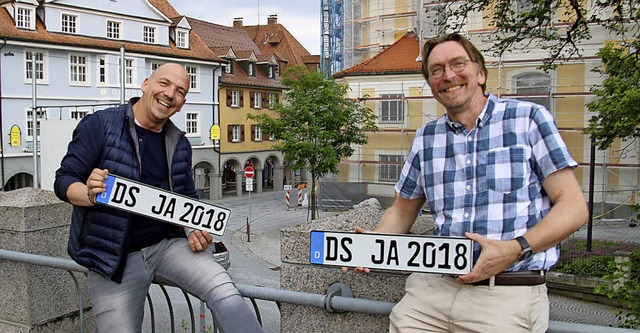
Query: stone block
(35,221)
(299,275)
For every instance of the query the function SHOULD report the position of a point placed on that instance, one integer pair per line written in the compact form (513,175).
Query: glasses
(457,67)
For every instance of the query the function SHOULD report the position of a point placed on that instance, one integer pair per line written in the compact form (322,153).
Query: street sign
(248,172)
(287,187)
(166,206)
(429,254)
(249,186)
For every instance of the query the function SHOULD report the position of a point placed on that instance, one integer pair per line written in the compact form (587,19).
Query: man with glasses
(497,172)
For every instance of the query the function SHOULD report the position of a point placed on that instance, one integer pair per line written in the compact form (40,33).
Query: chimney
(237,22)
(272,19)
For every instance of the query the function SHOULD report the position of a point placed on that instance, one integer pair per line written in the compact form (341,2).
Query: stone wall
(33,298)
(298,275)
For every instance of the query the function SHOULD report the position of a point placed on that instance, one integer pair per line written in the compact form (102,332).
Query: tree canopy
(317,125)
(557,26)
(618,102)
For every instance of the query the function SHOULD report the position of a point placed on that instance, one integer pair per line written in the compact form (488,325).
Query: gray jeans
(119,307)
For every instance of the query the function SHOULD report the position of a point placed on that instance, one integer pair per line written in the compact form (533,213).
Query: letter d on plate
(316,250)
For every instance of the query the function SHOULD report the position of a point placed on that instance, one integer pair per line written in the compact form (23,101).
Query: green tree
(317,125)
(618,102)
(557,26)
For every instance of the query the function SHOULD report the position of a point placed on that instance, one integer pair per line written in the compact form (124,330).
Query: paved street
(257,261)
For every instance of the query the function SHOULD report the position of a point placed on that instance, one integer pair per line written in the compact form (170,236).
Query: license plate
(428,254)
(163,205)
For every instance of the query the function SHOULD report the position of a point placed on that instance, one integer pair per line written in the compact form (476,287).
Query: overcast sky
(300,17)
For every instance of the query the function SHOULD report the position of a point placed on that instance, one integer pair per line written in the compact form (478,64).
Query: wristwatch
(526,252)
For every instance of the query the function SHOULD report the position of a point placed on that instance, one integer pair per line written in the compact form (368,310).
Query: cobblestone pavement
(265,244)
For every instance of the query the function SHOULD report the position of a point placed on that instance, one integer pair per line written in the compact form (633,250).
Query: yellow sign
(15,135)
(215,132)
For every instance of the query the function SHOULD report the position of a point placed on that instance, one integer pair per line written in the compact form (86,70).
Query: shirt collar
(482,119)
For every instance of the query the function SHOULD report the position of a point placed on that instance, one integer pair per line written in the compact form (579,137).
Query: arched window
(534,87)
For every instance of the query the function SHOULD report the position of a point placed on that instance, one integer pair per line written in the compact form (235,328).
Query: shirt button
(468,161)
(468,187)
(466,215)
(469,139)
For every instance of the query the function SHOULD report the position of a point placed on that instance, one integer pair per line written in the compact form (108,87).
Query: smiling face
(163,94)
(460,92)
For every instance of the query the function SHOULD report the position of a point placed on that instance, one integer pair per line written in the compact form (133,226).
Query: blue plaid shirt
(488,180)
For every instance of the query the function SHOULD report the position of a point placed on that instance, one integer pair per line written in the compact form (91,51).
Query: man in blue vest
(126,252)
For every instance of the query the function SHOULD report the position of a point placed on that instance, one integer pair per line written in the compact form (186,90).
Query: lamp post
(6,54)
(34,119)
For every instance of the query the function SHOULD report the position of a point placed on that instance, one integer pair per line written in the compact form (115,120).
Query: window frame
(25,18)
(101,65)
(116,30)
(387,102)
(192,125)
(40,114)
(42,76)
(149,37)
(81,69)
(540,97)
(257,100)
(69,26)
(130,72)
(235,98)
(194,78)
(182,39)
(257,134)
(250,69)
(387,166)
(236,133)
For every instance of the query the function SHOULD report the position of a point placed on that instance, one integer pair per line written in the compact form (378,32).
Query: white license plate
(429,254)
(166,206)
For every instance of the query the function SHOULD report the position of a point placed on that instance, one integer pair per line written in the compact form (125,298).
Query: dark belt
(520,278)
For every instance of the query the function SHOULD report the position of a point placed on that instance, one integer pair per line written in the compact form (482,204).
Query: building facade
(249,84)
(86,56)
(356,30)
(403,103)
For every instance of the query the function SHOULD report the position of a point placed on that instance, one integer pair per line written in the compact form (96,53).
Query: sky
(300,17)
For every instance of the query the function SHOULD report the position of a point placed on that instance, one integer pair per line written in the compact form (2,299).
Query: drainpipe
(1,135)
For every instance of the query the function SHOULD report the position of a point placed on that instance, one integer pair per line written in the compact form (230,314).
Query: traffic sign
(248,172)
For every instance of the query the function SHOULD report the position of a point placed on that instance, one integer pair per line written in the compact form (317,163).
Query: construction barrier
(286,198)
(300,198)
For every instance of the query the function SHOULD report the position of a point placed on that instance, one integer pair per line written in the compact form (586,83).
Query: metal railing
(337,299)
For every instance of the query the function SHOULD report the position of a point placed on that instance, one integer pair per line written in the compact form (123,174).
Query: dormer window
(182,39)
(113,29)
(149,34)
(229,67)
(271,72)
(250,70)
(69,23)
(25,18)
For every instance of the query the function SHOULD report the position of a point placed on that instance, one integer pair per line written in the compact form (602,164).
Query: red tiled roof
(219,37)
(275,38)
(399,58)
(197,50)
(222,38)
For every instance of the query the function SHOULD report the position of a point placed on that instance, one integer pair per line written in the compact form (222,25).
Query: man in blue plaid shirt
(495,171)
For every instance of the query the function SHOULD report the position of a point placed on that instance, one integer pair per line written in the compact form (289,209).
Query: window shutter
(265,136)
(241,133)
(277,98)
(252,95)
(228,97)
(229,133)
(265,99)
(241,93)
(253,132)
